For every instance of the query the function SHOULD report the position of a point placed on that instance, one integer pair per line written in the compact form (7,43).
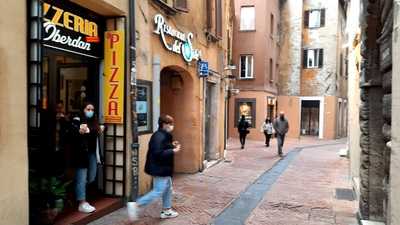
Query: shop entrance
(310,117)
(67,82)
(177,99)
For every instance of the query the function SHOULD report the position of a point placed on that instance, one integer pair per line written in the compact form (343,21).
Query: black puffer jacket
(83,144)
(160,157)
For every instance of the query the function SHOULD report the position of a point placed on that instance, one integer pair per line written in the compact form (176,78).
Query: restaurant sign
(180,43)
(71,28)
(114,70)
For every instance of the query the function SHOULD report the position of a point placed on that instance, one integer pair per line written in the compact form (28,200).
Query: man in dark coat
(281,126)
(160,165)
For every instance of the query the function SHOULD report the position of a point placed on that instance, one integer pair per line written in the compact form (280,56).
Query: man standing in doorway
(281,126)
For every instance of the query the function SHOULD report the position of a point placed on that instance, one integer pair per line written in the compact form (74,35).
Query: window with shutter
(181,5)
(209,14)
(246,67)
(321,58)
(306,17)
(313,58)
(247,18)
(322,17)
(314,18)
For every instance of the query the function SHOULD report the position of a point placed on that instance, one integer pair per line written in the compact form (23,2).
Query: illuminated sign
(71,28)
(181,42)
(114,56)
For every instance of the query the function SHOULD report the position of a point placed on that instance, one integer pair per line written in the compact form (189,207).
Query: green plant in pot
(48,194)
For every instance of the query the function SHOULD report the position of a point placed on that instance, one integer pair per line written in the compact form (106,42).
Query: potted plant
(48,195)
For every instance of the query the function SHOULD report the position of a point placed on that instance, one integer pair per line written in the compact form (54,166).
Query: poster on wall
(246,109)
(114,59)
(143,107)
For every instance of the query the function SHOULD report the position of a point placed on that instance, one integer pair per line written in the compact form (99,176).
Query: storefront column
(156,91)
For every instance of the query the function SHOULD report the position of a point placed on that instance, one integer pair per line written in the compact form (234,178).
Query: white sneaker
(86,208)
(133,211)
(169,214)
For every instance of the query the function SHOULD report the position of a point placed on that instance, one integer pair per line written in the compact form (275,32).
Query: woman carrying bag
(268,130)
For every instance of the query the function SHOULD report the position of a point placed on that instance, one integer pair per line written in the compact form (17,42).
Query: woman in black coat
(85,131)
(243,127)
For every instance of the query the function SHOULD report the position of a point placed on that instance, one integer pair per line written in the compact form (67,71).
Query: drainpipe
(134,125)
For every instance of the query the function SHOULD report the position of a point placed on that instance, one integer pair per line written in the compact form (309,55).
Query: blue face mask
(89,114)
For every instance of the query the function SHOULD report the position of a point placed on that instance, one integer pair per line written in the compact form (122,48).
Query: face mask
(170,128)
(89,114)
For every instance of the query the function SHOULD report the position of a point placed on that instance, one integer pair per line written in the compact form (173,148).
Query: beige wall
(13,116)
(330,119)
(394,196)
(185,104)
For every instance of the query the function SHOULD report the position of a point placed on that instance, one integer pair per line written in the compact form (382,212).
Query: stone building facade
(377,174)
(313,74)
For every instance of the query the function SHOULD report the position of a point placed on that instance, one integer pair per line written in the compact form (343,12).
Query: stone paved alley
(253,186)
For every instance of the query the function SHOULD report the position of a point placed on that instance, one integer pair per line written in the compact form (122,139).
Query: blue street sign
(203,68)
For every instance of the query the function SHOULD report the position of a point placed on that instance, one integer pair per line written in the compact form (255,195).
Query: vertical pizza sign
(114,76)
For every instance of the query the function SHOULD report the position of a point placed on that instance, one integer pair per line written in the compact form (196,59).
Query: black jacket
(243,125)
(83,144)
(160,157)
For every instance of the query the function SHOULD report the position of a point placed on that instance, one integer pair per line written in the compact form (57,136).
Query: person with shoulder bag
(268,130)
(243,127)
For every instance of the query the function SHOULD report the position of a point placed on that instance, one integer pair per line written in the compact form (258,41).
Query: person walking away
(281,126)
(85,131)
(243,126)
(267,129)
(159,165)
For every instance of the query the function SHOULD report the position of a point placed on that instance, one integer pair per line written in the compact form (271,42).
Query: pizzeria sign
(71,28)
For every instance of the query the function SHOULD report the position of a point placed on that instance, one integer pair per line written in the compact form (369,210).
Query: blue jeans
(85,176)
(162,187)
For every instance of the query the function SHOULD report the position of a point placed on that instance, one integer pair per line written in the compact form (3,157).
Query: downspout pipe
(133,91)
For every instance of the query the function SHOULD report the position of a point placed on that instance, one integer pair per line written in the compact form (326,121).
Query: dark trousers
(267,138)
(242,136)
(281,140)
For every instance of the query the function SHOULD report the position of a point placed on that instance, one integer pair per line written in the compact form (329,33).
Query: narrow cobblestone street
(304,191)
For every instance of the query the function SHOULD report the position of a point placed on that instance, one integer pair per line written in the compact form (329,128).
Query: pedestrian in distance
(159,165)
(281,126)
(243,127)
(85,130)
(268,130)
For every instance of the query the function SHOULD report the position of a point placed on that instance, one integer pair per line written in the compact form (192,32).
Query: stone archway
(177,98)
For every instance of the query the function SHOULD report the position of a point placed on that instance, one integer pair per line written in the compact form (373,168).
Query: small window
(314,18)
(181,5)
(272,25)
(271,71)
(246,67)
(144,106)
(313,58)
(247,18)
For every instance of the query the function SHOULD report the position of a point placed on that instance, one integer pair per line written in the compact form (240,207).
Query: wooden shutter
(218,18)
(209,14)
(305,58)
(322,17)
(321,58)
(306,18)
(181,5)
